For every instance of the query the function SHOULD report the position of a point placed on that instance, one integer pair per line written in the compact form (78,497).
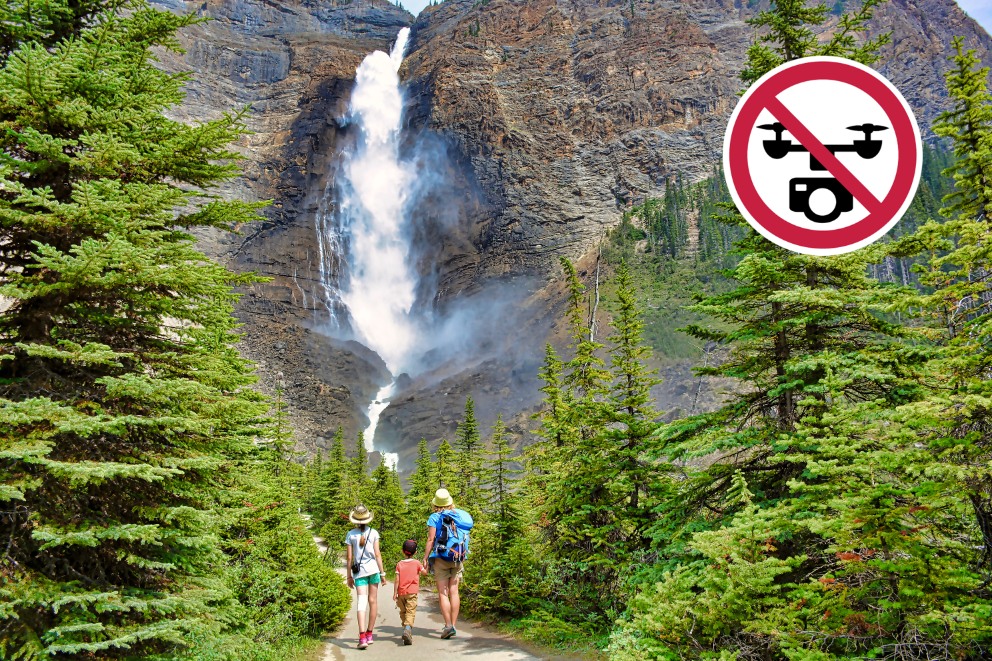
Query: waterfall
(366,240)
(380,286)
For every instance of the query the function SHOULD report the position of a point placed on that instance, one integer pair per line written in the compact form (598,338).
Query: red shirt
(408,576)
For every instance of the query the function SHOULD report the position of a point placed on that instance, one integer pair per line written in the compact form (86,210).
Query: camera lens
(822,202)
(820,199)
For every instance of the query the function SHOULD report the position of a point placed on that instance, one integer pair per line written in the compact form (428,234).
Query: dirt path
(472,641)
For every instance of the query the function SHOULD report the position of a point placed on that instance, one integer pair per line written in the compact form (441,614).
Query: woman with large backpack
(364,568)
(447,546)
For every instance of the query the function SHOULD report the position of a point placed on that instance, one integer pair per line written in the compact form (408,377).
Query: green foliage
(834,507)
(445,466)
(468,446)
(123,401)
(286,590)
(386,501)
(502,574)
(423,483)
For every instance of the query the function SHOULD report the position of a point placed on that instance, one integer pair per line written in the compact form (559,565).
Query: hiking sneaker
(408,636)
(368,637)
(362,641)
(447,632)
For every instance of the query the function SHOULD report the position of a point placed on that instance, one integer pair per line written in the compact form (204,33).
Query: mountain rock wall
(547,118)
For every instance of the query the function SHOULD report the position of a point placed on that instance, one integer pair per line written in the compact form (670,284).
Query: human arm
(429,546)
(396,584)
(378,559)
(347,564)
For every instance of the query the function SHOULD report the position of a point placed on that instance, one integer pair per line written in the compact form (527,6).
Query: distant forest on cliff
(837,504)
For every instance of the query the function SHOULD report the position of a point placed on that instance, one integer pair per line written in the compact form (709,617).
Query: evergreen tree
(386,501)
(820,527)
(634,418)
(280,438)
(123,398)
(311,480)
(445,463)
(359,468)
(423,483)
(468,446)
(499,478)
(502,574)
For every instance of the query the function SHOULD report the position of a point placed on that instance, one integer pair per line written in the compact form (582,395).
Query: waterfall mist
(398,208)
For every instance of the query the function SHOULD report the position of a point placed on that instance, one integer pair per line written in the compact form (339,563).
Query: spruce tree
(499,478)
(468,446)
(821,527)
(501,575)
(633,419)
(386,501)
(445,464)
(123,398)
(423,483)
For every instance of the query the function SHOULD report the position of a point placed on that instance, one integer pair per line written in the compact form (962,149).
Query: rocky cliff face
(547,118)
(292,62)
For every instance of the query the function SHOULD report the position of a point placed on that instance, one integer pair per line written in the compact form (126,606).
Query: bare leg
(362,616)
(444,602)
(453,599)
(373,605)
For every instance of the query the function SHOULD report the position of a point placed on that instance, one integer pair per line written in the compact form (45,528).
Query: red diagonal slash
(823,155)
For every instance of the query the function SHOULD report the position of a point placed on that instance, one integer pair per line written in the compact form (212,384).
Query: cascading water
(370,229)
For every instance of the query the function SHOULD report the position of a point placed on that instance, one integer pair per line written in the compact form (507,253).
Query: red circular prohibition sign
(764,94)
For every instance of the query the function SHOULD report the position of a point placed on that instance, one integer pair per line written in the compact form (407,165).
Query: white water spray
(380,286)
(376,408)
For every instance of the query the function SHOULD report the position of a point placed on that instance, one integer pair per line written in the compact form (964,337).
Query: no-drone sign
(822,155)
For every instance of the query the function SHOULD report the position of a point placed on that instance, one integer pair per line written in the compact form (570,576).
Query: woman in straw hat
(447,574)
(364,568)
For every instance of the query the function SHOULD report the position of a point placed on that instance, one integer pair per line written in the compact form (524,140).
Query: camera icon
(801,189)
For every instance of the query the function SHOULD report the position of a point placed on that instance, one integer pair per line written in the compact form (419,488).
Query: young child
(406,586)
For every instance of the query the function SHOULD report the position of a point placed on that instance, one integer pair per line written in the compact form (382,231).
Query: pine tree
(445,463)
(123,398)
(499,478)
(502,574)
(423,483)
(634,418)
(280,438)
(337,457)
(468,446)
(387,503)
(820,528)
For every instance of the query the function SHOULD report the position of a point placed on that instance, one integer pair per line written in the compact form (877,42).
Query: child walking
(405,588)
(364,570)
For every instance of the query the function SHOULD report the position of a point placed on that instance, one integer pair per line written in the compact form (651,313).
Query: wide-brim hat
(442,498)
(361,514)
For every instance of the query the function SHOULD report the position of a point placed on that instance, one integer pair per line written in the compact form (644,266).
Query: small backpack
(451,538)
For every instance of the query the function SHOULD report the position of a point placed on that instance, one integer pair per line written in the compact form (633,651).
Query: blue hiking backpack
(451,536)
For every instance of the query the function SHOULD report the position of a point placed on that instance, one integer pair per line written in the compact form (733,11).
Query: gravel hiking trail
(472,641)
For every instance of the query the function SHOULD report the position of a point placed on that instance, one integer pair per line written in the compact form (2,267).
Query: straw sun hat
(442,498)
(360,514)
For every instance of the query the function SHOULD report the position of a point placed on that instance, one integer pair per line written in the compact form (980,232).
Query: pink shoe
(368,637)
(362,641)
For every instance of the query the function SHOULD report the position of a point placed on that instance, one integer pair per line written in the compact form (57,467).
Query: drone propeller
(777,127)
(867,129)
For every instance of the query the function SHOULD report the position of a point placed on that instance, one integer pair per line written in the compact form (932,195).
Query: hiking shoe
(362,642)
(368,637)
(408,636)
(447,632)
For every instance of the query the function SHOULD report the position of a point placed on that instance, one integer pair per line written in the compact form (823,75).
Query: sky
(414,6)
(980,10)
